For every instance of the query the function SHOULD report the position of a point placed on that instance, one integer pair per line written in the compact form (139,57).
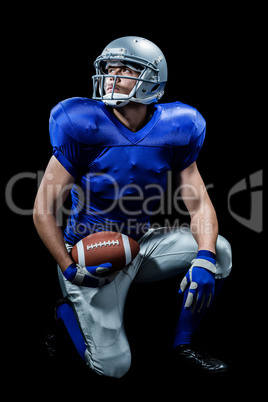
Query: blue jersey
(120,175)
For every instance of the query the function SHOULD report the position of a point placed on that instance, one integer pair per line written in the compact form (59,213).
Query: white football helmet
(140,55)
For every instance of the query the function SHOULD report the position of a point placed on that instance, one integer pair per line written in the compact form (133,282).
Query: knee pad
(224,257)
(111,361)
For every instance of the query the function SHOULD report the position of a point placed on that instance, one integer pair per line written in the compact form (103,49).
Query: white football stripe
(81,253)
(126,248)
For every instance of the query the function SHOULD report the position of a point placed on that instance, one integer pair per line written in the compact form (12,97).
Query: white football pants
(163,253)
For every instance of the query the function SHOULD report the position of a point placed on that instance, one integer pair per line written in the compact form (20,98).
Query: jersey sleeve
(191,151)
(66,148)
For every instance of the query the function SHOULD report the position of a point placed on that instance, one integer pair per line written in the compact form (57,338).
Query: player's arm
(52,193)
(200,279)
(204,223)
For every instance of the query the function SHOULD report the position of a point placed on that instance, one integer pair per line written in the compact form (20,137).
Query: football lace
(103,244)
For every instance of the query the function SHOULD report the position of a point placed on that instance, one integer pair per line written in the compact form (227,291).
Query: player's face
(122,85)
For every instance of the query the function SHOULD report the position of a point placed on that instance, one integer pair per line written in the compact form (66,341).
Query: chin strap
(117,100)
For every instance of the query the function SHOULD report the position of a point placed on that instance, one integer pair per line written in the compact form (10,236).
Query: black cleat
(50,343)
(194,359)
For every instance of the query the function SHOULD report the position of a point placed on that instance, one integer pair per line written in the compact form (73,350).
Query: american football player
(113,153)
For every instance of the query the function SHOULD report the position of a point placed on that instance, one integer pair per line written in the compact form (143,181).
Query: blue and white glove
(91,277)
(201,281)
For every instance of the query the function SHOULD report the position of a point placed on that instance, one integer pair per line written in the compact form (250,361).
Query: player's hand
(200,282)
(91,277)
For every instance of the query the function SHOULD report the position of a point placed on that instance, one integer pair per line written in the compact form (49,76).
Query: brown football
(101,247)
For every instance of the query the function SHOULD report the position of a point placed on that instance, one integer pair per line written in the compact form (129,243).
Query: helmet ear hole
(155,88)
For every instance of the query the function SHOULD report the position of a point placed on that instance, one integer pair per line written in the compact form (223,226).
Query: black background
(213,66)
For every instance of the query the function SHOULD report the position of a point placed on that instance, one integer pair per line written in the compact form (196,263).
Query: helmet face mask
(141,56)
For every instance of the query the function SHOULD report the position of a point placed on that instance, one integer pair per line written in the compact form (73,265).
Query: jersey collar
(128,134)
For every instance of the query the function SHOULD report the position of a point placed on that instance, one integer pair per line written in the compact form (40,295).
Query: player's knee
(115,364)
(120,366)
(224,256)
